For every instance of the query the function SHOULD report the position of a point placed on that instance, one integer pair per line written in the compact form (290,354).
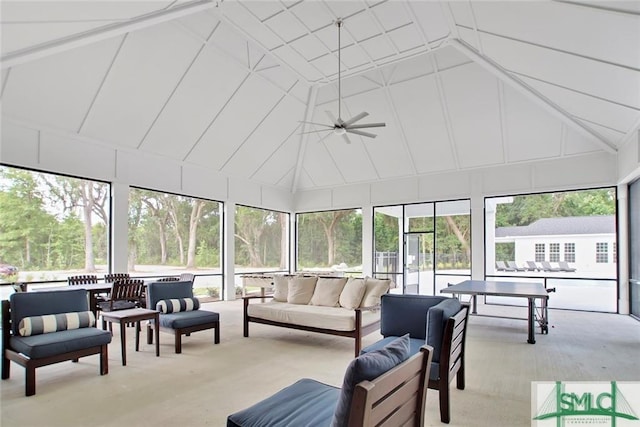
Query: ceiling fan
(339,126)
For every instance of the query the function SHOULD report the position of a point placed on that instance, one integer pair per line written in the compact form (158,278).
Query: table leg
(93,303)
(123,341)
(137,326)
(157,331)
(475,304)
(532,319)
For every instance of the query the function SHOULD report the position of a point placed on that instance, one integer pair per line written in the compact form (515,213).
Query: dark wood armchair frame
(451,360)
(30,365)
(357,334)
(112,277)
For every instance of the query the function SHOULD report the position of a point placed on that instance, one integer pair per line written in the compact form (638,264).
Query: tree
(90,198)
(196,213)
(24,222)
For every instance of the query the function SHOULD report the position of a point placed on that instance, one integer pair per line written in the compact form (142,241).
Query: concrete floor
(207,382)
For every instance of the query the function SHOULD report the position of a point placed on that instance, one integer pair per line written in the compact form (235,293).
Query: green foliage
(329,238)
(529,208)
(259,237)
(505,251)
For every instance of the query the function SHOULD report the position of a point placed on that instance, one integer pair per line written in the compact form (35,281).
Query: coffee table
(133,315)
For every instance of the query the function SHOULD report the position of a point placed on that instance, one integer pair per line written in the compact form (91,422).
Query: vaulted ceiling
(225,85)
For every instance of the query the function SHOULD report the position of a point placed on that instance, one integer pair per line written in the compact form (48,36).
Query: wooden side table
(130,316)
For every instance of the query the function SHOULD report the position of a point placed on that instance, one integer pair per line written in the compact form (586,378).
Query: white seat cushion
(334,318)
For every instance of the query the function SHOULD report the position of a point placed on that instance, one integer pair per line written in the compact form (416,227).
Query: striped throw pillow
(178,304)
(36,325)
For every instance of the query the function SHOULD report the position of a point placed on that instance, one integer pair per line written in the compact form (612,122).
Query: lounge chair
(564,266)
(514,266)
(532,266)
(546,266)
(501,266)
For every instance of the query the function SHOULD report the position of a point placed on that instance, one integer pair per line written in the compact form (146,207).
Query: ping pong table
(531,291)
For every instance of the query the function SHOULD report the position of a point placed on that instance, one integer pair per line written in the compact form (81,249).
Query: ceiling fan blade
(346,138)
(359,132)
(367,125)
(356,118)
(315,131)
(335,121)
(317,124)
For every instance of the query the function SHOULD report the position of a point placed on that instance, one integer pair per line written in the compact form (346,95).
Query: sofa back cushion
(301,289)
(367,367)
(28,304)
(374,289)
(281,287)
(157,291)
(176,305)
(406,314)
(327,291)
(47,323)
(352,293)
(437,318)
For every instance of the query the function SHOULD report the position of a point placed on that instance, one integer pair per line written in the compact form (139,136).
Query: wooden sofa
(348,307)
(387,388)
(43,328)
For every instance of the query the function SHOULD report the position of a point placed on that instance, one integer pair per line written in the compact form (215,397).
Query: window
(540,253)
(171,234)
(330,241)
(261,240)
(423,247)
(570,252)
(51,225)
(567,225)
(602,252)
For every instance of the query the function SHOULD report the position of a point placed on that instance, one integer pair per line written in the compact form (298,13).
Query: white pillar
(489,237)
(367,240)
(293,247)
(229,259)
(623,249)
(119,227)
(477,237)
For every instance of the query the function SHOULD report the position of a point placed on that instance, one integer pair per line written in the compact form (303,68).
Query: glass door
(418,266)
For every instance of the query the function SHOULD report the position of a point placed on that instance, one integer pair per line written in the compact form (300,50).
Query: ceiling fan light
(340,131)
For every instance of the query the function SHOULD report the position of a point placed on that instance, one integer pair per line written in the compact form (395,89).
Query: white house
(587,243)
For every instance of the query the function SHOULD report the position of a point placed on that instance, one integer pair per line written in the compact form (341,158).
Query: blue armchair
(184,318)
(384,388)
(439,322)
(43,328)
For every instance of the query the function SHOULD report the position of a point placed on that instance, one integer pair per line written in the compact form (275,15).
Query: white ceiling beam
(112,30)
(532,94)
(304,137)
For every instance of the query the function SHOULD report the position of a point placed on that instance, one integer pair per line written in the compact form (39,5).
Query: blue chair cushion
(116,305)
(414,345)
(45,345)
(304,403)
(406,314)
(367,367)
(185,319)
(28,304)
(47,323)
(437,318)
